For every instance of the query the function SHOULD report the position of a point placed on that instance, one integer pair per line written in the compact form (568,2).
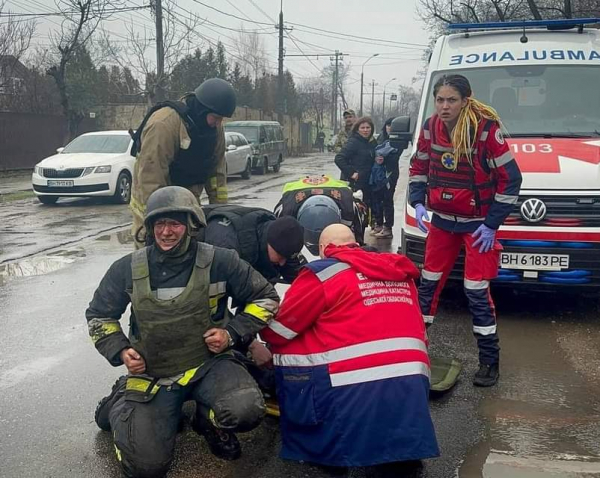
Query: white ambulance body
(545,85)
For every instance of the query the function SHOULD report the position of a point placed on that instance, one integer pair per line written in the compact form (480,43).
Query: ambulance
(543,78)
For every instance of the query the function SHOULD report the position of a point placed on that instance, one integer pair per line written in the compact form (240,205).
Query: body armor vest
(246,222)
(170,332)
(455,186)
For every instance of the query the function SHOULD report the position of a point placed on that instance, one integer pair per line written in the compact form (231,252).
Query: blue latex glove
(420,214)
(484,236)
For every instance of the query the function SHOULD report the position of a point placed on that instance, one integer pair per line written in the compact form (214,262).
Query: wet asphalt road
(542,420)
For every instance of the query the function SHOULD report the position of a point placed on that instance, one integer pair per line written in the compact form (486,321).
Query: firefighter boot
(104,405)
(222,443)
(487,375)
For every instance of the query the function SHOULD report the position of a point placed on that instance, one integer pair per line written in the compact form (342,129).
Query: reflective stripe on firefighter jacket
(460,192)
(346,359)
(171,331)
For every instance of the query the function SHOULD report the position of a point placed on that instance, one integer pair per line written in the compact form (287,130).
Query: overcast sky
(395,25)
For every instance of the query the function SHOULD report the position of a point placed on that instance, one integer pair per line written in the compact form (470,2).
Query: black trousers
(144,432)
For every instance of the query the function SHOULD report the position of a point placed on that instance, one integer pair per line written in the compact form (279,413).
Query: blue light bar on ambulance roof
(549,24)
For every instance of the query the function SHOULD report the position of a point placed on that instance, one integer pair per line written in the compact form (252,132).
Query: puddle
(39,265)
(543,419)
(121,237)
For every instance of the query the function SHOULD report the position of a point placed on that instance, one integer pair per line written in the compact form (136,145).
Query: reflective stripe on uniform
(442,149)
(213,182)
(137,384)
(137,206)
(282,330)
(422,155)
(419,178)
(428,319)
(213,302)
(484,136)
(426,134)
(350,352)
(222,193)
(100,328)
(506,198)
(330,271)
(501,160)
(379,373)
(434,276)
(458,218)
(118,452)
(489,330)
(187,376)
(259,312)
(476,284)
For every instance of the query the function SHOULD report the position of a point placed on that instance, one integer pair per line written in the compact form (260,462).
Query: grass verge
(16,196)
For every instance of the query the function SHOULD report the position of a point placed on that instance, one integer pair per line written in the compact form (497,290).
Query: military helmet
(314,215)
(218,96)
(173,199)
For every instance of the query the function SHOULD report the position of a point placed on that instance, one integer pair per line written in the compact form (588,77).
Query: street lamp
(383,106)
(362,74)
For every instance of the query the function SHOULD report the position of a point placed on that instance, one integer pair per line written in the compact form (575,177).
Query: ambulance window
(537,100)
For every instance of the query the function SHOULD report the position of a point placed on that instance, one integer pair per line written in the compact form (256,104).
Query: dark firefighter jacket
(229,277)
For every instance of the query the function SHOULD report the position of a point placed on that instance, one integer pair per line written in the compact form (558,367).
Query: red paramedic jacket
(350,354)
(486,191)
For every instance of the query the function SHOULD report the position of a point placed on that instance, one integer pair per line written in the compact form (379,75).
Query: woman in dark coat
(384,221)
(355,160)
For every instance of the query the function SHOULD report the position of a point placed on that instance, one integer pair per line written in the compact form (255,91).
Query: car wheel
(123,190)
(248,171)
(264,167)
(277,166)
(48,199)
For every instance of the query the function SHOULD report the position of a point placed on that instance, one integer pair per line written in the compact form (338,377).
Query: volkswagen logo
(533,210)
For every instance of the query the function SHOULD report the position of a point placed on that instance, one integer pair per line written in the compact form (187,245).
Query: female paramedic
(465,173)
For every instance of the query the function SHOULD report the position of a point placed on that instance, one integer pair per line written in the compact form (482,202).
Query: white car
(93,164)
(238,155)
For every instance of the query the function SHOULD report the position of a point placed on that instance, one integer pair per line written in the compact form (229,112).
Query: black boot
(487,375)
(222,443)
(104,405)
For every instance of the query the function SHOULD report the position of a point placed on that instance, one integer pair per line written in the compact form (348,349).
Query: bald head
(336,234)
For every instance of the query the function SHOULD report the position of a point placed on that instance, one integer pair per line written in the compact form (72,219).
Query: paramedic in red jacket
(351,361)
(464,172)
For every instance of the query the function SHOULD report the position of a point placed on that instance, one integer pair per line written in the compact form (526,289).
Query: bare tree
(315,96)
(15,38)
(438,13)
(250,48)
(81,19)
(139,54)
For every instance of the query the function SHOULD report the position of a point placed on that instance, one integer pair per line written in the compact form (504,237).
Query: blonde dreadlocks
(463,135)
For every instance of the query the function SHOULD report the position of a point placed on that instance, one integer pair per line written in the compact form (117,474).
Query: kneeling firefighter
(180,342)
(182,143)
(271,245)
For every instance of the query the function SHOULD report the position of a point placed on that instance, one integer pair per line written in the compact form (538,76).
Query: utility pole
(280,105)
(160,53)
(372,97)
(338,56)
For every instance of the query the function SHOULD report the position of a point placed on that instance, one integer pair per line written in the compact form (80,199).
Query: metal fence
(27,138)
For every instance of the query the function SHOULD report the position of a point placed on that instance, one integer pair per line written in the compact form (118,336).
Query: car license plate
(60,184)
(534,262)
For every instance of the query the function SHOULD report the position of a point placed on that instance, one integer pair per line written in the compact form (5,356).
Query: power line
(345,35)
(66,12)
(230,14)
